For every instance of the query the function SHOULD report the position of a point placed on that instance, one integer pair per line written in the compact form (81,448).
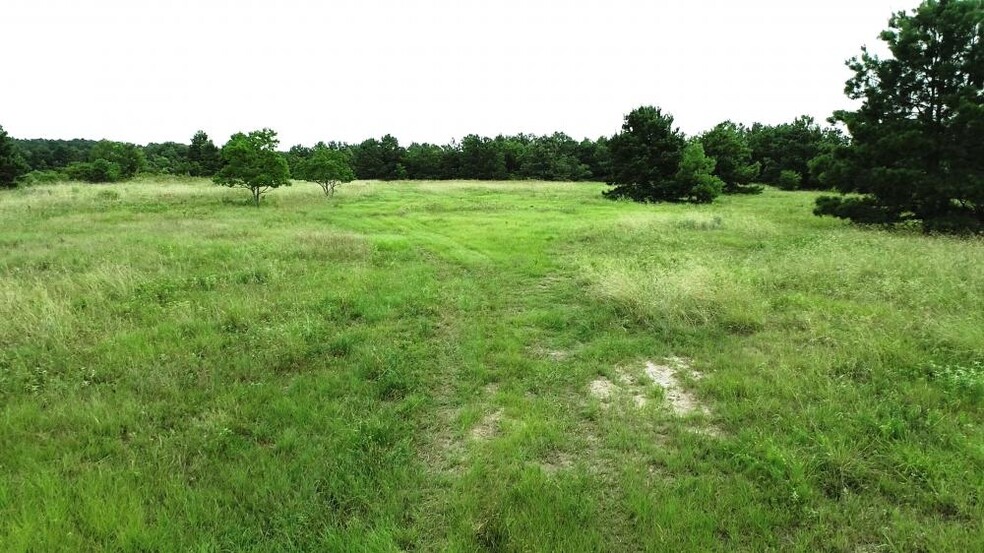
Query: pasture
(481,366)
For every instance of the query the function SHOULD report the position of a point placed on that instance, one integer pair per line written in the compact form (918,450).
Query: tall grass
(408,366)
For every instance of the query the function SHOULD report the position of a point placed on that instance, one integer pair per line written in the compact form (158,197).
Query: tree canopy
(327,167)
(203,156)
(728,144)
(12,165)
(252,161)
(791,147)
(917,148)
(645,157)
(696,175)
(129,159)
(379,159)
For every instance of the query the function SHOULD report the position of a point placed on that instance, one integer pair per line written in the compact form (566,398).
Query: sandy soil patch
(665,376)
(602,388)
(639,387)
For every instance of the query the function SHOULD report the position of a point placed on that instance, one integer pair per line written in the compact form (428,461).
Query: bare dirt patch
(680,400)
(639,389)
(602,388)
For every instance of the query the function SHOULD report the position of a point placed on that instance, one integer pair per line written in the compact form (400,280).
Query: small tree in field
(327,167)
(789,180)
(646,156)
(651,161)
(728,144)
(253,162)
(696,175)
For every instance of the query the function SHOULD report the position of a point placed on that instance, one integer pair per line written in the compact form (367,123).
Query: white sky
(422,70)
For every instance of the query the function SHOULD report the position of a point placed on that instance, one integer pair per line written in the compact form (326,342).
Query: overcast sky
(422,70)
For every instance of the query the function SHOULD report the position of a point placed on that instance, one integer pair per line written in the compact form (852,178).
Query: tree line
(774,149)
(913,151)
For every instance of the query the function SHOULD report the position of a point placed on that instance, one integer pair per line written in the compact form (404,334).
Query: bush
(41,177)
(96,171)
(789,180)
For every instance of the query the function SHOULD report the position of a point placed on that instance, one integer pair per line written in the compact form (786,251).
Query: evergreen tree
(645,157)
(728,144)
(917,148)
(696,175)
(204,157)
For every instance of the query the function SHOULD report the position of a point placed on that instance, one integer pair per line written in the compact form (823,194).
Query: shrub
(96,171)
(41,177)
(789,180)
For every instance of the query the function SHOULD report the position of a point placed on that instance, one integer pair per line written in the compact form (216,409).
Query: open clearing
(481,366)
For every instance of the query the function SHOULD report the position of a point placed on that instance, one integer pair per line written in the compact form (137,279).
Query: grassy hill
(481,366)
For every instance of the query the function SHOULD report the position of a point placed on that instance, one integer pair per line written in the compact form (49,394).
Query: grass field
(467,366)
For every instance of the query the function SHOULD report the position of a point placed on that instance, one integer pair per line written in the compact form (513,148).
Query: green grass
(407,367)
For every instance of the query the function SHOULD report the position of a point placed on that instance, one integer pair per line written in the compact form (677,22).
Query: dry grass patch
(488,427)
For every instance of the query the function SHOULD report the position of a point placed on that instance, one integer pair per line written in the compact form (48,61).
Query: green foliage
(596,156)
(84,160)
(167,158)
(378,159)
(425,161)
(43,154)
(645,158)
(481,158)
(696,174)
(204,157)
(651,161)
(107,161)
(252,161)
(553,158)
(728,144)
(917,149)
(789,180)
(41,177)
(791,147)
(860,209)
(128,159)
(327,167)
(296,155)
(99,170)
(12,165)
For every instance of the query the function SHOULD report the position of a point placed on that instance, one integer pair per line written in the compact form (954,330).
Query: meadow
(481,366)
